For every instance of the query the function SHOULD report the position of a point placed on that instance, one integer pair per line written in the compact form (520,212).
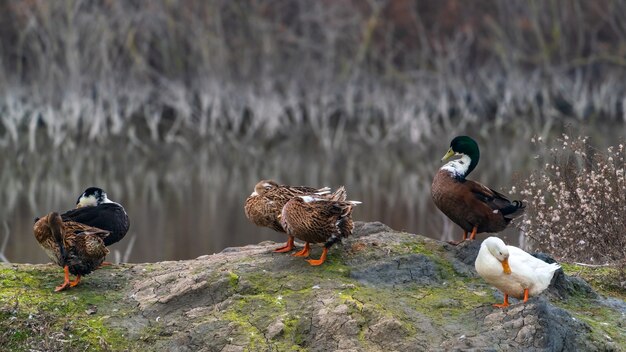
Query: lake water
(186,200)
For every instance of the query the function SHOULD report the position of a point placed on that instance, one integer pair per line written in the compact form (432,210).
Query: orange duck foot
(63,286)
(504,304)
(316,262)
(304,252)
(75,282)
(286,248)
(66,282)
(105,264)
(471,237)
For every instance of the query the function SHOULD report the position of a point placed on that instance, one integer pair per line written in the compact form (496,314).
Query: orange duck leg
(286,248)
(505,303)
(75,282)
(316,262)
(304,252)
(66,283)
(473,235)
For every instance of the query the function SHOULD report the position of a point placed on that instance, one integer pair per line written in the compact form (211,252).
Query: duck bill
(506,267)
(448,155)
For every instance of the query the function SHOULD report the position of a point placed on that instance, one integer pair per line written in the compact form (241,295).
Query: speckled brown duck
(474,207)
(264,205)
(317,220)
(79,249)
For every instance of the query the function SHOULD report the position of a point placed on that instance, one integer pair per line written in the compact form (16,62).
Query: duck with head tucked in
(79,249)
(474,207)
(94,208)
(263,207)
(317,220)
(512,270)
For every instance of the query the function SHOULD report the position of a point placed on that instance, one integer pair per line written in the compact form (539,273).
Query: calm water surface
(184,202)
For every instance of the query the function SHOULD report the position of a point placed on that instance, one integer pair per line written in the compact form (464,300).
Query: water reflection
(184,201)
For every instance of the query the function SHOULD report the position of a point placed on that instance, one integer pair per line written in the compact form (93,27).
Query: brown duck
(471,205)
(264,205)
(317,220)
(76,247)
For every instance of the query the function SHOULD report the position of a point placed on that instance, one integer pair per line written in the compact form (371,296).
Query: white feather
(322,191)
(458,167)
(309,199)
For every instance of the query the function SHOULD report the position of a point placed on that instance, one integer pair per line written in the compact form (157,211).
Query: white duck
(512,270)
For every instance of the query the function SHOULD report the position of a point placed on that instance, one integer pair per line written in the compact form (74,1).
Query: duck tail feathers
(55,223)
(339,195)
(513,210)
(322,191)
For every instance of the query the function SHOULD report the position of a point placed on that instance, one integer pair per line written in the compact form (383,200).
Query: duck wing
(109,217)
(494,199)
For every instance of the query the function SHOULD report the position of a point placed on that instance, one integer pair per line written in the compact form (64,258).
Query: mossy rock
(380,290)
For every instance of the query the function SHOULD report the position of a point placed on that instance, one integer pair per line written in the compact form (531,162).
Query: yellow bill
(506,267)
(448,155)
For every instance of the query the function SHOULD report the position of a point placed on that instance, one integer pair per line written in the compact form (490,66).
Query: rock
(563,286)
(275,329)
(369,228)
(381,290)
(464,256)
(412,268)
(535,326)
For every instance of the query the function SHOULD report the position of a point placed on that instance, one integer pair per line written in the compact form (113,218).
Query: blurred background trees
(485,57)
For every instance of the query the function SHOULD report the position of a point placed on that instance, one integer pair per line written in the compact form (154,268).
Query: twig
(594,265)
(129,249)
(5,241)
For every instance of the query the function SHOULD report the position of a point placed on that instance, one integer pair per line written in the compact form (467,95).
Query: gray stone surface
(380,290)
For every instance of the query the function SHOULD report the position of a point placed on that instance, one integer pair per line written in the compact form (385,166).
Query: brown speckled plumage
(317,220)
(76,247)
(264,205)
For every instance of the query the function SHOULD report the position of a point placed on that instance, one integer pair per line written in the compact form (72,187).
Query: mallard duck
(264,205)
(317,220)
(79,249)
(471,205)
(512,270)
(94,208)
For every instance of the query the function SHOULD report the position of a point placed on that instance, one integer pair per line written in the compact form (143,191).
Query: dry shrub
(577,203)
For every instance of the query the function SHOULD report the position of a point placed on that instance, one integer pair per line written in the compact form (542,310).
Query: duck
(94,208)
(476,208)
(512,270)
(263,207)
(315,219)
(78,248)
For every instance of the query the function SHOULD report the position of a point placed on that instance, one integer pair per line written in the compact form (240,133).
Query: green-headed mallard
(264,205)
(512,270)
(471,205)
(317,220)
(79,249)
(93,208)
